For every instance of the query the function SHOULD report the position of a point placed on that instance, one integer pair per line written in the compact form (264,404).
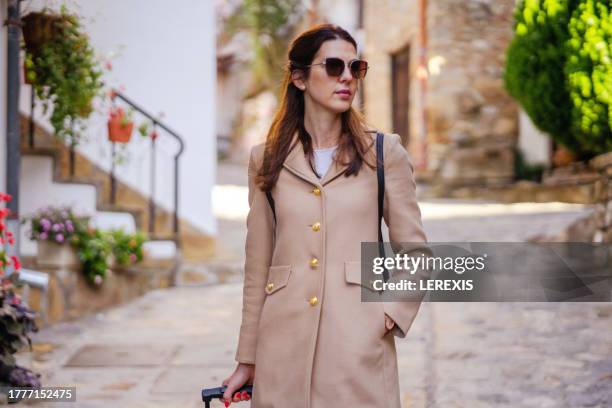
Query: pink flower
(42,236)
(45,224)
(108,65)
(57,227)
(98,280)
(133,258)
(59,238)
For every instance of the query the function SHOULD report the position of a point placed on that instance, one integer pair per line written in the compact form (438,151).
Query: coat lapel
(297,163)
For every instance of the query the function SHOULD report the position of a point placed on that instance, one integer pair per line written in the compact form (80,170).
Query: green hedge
(589,74)
(558,68)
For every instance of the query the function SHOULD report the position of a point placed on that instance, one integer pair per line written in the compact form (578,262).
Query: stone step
(209,273)
(197,244)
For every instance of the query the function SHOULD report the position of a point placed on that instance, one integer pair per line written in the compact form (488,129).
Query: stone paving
(161,349)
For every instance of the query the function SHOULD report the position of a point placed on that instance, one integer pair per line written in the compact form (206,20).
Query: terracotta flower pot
(563,156)
(118,130)
(53,255)
(25,75)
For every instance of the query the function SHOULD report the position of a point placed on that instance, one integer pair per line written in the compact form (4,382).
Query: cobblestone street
(161,349)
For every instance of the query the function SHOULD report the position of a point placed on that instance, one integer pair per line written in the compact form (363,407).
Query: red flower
(11,241)
(5,197)
(154,135)
(16,262)
(4,212)
(108,65)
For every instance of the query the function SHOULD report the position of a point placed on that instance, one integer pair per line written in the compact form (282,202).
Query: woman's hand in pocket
(389,323)
(243,374)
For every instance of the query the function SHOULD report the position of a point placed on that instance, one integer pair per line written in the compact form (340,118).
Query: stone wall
(389,26)
(70,296)
(598,226)
(472,122)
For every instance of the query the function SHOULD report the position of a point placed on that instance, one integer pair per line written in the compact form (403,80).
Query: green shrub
(127,248)
(534,69)
(559,69)
(589,74)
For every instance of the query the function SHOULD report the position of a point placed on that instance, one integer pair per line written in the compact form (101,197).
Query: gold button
(316,226)
(316,191)
(313,301)
(314,262)
(269,286)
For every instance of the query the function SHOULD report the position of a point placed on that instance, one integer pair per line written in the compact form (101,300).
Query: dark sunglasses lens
(334,66)
(359,68)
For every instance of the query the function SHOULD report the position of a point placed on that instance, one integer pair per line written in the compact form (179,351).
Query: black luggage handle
(208,394)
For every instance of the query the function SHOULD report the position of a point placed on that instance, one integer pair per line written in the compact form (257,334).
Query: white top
(323,159)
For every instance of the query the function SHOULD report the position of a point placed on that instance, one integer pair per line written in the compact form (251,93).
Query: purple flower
(42,236)
(59,238)
(45,224)
(69,226)
(57,227)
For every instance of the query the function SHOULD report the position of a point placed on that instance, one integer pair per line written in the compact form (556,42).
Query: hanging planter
(120,126)
(63,70)
(41,27)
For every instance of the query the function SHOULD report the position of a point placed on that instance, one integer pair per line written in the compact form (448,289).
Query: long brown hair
(289,118)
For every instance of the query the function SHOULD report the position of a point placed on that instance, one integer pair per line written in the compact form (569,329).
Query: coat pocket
(352,275)
(278,276)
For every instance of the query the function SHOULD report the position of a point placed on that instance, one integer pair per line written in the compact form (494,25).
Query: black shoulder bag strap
(271,201)
(380,174)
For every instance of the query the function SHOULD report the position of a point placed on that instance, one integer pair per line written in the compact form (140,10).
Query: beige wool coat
(314,343)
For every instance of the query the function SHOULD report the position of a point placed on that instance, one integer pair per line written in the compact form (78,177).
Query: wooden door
(400,93)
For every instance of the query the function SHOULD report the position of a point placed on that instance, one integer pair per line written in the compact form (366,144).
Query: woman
(307,339)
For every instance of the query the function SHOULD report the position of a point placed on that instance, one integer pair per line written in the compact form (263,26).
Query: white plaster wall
(163,55)
(342,12)
(534,144)
(3,38)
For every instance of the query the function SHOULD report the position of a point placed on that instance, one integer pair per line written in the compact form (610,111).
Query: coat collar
(297,163)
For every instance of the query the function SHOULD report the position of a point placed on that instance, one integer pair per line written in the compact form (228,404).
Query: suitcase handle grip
(208,394)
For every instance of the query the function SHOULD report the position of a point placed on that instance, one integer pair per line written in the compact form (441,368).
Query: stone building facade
(461,109)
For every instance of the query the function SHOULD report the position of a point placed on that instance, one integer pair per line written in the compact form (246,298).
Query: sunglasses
(335,67)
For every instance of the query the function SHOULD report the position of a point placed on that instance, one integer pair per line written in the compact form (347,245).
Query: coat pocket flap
(278,276)
(352,274)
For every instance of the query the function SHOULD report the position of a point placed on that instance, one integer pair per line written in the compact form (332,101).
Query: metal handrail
(179,139)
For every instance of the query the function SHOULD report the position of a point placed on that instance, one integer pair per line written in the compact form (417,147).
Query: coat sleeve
(403,217)
(258,256)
